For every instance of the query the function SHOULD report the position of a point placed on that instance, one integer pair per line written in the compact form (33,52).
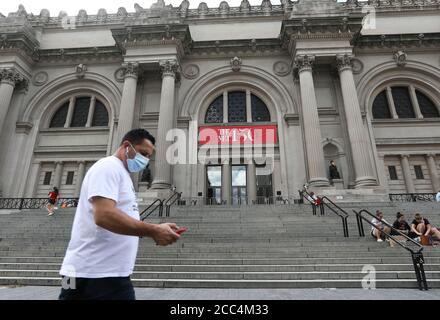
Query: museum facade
(247,103)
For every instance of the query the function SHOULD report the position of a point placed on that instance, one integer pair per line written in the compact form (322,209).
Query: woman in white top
(381,229)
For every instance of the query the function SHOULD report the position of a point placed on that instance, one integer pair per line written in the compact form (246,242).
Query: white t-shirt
(437,198)
(378,223)
(94,252)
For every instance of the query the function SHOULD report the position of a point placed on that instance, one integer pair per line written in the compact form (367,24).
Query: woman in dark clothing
(403,226)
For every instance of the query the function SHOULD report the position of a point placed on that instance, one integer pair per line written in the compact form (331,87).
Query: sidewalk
(51,293)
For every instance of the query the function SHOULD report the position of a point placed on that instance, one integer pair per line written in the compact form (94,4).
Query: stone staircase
(231,247)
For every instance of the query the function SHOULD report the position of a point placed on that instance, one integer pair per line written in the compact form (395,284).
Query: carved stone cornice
(19,37)
(81,55)
(398,42)
(169,68)
(332,27)
(153,35)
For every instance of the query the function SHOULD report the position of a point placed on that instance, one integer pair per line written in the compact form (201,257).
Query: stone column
(227,182)
(162,179)
(252,183)
(356,131)
(312,129)
(80,178)
(9,78)
(70,112)
(126,112)
(407,174)
(58,174)
(432,166)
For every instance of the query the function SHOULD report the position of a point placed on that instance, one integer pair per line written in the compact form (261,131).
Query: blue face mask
(137,164)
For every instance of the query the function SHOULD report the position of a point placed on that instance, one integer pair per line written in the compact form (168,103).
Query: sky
(92,7)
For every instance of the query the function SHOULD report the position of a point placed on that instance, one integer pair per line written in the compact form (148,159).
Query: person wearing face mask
(102,251)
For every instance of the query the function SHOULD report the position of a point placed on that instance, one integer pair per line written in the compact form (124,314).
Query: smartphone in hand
(181,231)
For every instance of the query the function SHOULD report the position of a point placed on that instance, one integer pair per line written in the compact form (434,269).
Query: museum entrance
(237,185)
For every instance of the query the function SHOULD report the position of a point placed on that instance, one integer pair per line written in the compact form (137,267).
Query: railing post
(322,209)
(418,261)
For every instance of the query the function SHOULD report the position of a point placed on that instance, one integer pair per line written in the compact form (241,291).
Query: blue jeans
(100,289)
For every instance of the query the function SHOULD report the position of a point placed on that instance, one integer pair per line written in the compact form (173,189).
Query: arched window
(427,107)
(215,111)
(407,101)
(260,113)
(381,109)
(59,119)
(81,115)
(238,110)
(402,101)
(237,106)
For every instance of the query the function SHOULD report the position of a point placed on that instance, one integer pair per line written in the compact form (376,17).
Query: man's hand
(165,234)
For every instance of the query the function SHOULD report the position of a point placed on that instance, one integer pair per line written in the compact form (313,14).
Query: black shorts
(51,201)
(99,289)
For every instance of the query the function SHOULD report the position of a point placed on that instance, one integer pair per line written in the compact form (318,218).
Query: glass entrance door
(264,189)
(239,185)
(214,185)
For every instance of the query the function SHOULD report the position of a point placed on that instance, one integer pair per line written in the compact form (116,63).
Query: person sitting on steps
(422,227)
(382,229)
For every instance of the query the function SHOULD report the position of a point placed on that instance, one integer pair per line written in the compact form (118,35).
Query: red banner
(223,135)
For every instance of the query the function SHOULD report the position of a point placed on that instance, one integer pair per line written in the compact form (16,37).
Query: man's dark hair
(136,136)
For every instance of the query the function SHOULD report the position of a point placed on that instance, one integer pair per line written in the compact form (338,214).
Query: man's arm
(428,230)
(108,217)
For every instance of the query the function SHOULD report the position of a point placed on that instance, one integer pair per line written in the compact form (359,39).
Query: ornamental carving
(304,62)
(357,65)
(344,62)
(282,68)
(80,70)
(236,63)
(131,69)
(191,71)
(245,6)
(169,68)
(224,7)
(120,74)
(40,78)
(203,8)
(400,57)
(183,8)
(11,76)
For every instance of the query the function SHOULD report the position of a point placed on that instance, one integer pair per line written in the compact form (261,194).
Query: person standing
(102,251)
(53,198)
(437,197)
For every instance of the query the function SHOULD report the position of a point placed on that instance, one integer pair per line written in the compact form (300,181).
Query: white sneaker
(50,214)
(56,208)
(379,240)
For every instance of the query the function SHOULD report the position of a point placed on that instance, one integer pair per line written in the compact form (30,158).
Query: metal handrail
(172,200)
(321,207)
(158,203)
(344,216)
(416,255)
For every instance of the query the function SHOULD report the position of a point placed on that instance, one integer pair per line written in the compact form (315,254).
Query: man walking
(106,230)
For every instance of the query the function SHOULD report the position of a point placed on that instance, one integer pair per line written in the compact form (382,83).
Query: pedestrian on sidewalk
(105,237)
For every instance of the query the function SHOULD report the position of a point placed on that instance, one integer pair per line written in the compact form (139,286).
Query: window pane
(427,107)
(381,108)
(393,173)
(59,119)
(47,178)
(237,106)
(239,176)
(100,117)
(419,172)
(402,101)
(215,111)
(70,175)
(81,112)
(214,176)
(260,113)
